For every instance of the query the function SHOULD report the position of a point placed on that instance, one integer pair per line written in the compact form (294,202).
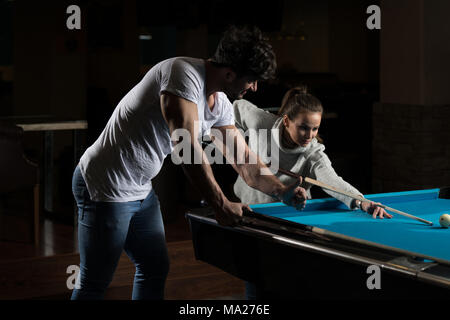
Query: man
(118,209)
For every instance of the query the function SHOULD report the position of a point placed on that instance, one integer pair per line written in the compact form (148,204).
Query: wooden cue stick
(354,196)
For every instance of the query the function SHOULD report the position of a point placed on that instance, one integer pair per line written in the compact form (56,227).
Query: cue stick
(351,195)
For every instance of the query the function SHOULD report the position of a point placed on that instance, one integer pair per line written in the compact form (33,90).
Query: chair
(19,183)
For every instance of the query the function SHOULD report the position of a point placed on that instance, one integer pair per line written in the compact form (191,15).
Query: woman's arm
(323,171)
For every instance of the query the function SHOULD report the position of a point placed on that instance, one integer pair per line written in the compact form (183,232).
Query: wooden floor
(55,238)
(27,272)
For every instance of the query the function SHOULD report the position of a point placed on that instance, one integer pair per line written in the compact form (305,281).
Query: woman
(300,150)
(299,147)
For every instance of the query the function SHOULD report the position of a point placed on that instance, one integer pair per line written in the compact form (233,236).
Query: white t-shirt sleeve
(181,79)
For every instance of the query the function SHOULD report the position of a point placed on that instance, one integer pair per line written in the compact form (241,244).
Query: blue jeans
(105,229)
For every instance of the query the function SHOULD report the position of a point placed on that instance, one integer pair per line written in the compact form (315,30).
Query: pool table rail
(312,240)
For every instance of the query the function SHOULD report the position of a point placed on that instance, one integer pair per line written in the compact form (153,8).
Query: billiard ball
(444,220)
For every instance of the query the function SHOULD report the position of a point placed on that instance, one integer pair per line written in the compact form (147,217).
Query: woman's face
(303,128)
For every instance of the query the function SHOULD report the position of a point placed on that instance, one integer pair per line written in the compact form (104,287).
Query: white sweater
(310,161)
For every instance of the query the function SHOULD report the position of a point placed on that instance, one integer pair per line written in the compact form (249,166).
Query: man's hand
(294,195)
(230,213)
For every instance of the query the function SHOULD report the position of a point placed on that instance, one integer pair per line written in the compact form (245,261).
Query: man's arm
(249,166)
(180,113)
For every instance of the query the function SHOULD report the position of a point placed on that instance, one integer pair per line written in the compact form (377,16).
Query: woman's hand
(374,210)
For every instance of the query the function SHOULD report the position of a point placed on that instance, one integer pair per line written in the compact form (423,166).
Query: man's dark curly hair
(244,50)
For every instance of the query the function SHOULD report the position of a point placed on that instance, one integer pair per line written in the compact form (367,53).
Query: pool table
(327,251)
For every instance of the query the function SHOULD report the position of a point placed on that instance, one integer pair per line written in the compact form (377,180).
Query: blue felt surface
(399,232)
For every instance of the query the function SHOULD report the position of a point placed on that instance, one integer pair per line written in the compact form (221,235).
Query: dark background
(364,78)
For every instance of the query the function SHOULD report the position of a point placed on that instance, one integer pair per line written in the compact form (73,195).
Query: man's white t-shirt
(130,151)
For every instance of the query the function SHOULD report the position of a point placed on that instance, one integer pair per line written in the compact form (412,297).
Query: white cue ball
(444,220)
